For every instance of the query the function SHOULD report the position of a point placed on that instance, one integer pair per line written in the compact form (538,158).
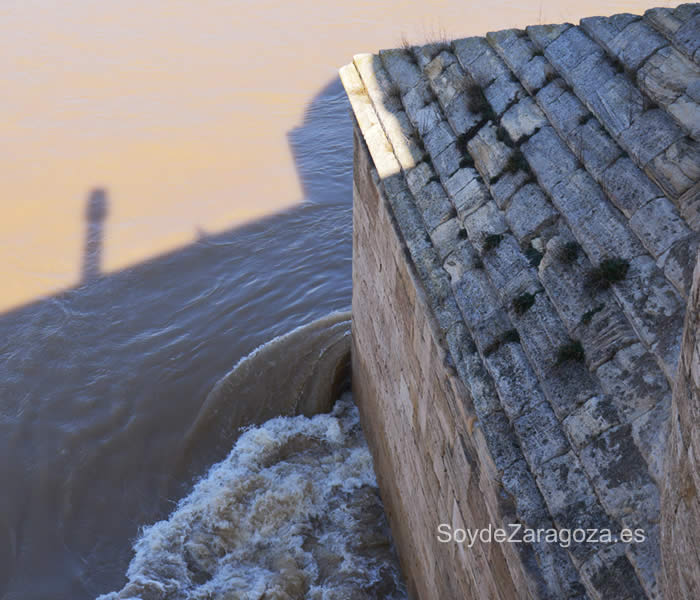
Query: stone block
(418,177)
(446,236)
(523,119)
(515,381)
(507,183)
(609,574)
(666,75)
(401,68)
(604,29)
(564,110)
(571,500)
(627,187)
(458,115)
(678,263)
(528,212)
(619,474)
(619,106)
(550,159)
(543,35)
(599,227)
(633,381)
(448,161)
(659,226)
(513,48)
(434,205)
(471,197)
(541,435)
(635,43)
(504,262)
(650,134)
(501,440)
(677,170)
(489,154)
(503,93)
(459,180)
(686,112)
(686,36)
(650,431)
(568,50)
(596,415)
(467,50)
(475,296)
(438,138)
(486,67)
(449,84)
(529,504)
(484,221)
(534,74)
(594,147)
(662,18)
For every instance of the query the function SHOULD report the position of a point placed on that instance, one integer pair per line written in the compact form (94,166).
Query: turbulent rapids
(293,511)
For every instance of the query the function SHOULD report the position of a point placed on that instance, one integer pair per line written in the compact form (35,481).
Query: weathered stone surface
(680,524)
(549,158)
(650,431)
(665,76)
(459,116)
(488,152)
(470,198)
(501,440)
(504,262)
(627,187)
(459,180)
(543,35)
(678,263)
(663,20)
(528,212)
(434,205)
(535,73)
(418,177)
(506,184)
(677,170)
(563,109)
(503,93)
(445,237)
(596,415)
(659,226)
(592,145)
(448,161)
(401,68)
(484,221)
(609,574)
(523,119)
(438,138)
(568,49)
(632,45)
(649,135)
(485,67)
(513,48)
(541,435)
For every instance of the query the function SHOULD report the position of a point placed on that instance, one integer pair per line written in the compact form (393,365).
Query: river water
(176,182)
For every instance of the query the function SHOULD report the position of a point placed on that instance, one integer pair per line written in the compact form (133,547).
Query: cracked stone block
(424,118)
(686,112)
(677,169)
(501,440)
(567,386)
(513,377)
(437,65)
(627,187)
(472,371)
(659,226)
(564,110)
(663,19)
(529,505)
(401,68)
(448,161)
(441,299)
(650,431)
(506,185)
(528,212)
(665,76)
(475,296)
(635,43)
(549,158)
(604,333)
(445,237)
(484,221)
(504,262)
(543,35)
(594,147)
(596,415)
(601,229)
(678,263)
(541,435)
(434,205)
(569,49)
(418,177)
(439,137)
(523,119)
(486,67)
(514,49)
(647,299)
(646,558)
(503,93)
(571,500)
(686,36)
(488,152)
(620,106)
(650,134)
(620,474)
(534,75)
(459,180)
(605,29)
(458,115)
(609,574)
(471,197)
(469,49)
(633,381)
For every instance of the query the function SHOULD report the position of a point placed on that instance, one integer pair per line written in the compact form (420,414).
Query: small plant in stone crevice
(408,49)
(583,119)
(491,241)
(523,302)
(589,314)
(617,65)
(551,76)
(503,136)
(569,252)
(508,337)
(537,52)
(466,162)
(393,92)
(516,162)
(462,143)
(433,178)
(571,351)
(476,101)
(533,255)
(609,271)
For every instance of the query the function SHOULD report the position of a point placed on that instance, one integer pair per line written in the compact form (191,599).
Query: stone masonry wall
(680,526)
(544,191)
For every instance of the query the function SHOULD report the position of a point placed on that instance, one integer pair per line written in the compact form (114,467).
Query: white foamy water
(292,512)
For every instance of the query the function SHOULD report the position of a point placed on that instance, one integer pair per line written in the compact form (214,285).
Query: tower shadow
(95,216)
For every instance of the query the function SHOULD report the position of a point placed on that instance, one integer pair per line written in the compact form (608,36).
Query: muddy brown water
(176,191)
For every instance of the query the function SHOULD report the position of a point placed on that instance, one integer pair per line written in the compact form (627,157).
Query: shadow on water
(100,382)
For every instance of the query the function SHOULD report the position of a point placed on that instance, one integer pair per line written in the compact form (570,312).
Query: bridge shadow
(99,383)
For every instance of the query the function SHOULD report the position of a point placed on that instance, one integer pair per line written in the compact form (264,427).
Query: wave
(294,510)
